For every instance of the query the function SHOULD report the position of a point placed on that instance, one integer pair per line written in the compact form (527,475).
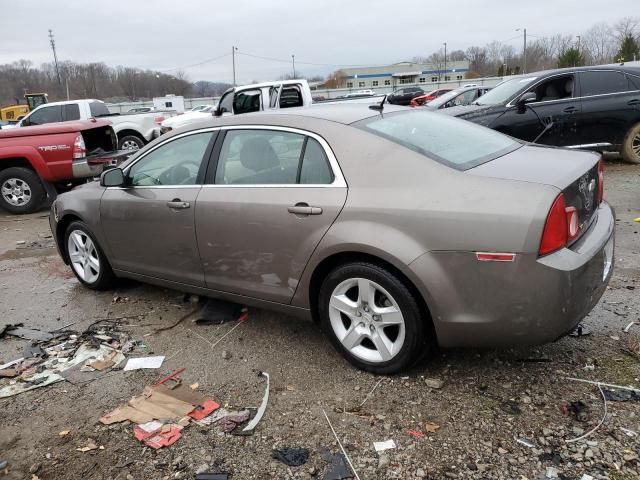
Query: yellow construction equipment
(14,113)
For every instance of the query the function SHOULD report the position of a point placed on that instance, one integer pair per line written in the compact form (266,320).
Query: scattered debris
(27,333)
(63,433)
(601,384)
(629,433)
(415,433)
(526,442)
(144,362)
(248,430)
(511,407)
(3,464)
(604,417)
(578,409)
(431,427)
(631,324)
(370,393)
(227,420)
(217,312)
(435,383)
(386,445)
(341,447)
(157,435)
(91,445)
(581,330)
(293,457)
(621,395)
(212,476)
(338,468)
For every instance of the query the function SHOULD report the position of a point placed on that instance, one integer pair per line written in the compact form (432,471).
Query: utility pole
(233,59)
(524,50)
(293,60)
(445,61)
(52,42)
(578,37)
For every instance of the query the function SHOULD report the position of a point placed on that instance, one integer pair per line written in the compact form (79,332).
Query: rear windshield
(453,142)
(98,109)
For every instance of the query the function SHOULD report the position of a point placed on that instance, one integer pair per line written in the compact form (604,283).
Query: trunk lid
(575,173)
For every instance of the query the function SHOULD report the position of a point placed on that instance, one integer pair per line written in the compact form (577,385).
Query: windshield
(453,142)
(442,99)
(504,91)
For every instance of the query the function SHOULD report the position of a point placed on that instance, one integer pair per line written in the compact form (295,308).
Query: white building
(403,73)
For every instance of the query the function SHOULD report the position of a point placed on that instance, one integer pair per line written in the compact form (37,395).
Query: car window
(502,93)
(226,102)
(315,165)
(44,115)
(247,101)
(255,157)
(555,88)
(176,162)
(634,82)
(291,96)
(98,109)
(273,96)
(453,142)
(70,111)
(601,82)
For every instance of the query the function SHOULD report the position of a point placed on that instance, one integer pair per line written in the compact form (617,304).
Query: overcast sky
(167,34)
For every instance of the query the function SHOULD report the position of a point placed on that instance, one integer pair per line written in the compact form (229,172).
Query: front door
(272,197)
(553,118)
(149,224)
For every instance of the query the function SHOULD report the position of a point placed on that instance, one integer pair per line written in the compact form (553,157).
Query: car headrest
(257,154)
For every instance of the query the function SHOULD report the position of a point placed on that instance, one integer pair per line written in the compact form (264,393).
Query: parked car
(360,93)
(457,97)
(186,118)
(133,130)
(264,96)
(587,107)
(36,162)
(403,96)
(141,110)
(422,99)
(406,227)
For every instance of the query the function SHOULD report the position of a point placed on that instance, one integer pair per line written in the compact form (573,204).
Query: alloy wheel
(130,145)
(83,256)
(16,192)
(635,145)
(366,320)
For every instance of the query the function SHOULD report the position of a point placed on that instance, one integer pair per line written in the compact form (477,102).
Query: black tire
(415,342)
(105,278)
(34,189)
(631,145)
(128,141)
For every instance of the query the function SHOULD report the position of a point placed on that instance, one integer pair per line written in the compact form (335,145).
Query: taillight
(600,181)
(573,222)
(159,119)
(554,236)
(79,148)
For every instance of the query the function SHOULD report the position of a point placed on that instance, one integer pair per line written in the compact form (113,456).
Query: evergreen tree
(629,50)
(571,58)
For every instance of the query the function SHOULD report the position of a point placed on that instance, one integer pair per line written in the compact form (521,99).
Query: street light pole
(293,61)
(233,60)
(445,61)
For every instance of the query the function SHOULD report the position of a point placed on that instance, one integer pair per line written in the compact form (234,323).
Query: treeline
(87,80)
(601,44)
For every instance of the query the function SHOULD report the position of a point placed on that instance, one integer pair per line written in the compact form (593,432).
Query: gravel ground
(477,403)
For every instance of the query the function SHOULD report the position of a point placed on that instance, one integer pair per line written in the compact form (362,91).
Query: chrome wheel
(130,145)
(635,145)
(83,256)
(16,192)
(366,320)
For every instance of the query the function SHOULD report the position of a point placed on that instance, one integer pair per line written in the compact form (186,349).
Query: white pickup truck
(133,130)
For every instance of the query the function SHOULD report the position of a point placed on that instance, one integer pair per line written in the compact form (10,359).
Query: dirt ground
(488,399)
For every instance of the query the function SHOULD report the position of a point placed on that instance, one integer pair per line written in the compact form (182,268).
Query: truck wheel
(631,145)
(21,190)
(130,142)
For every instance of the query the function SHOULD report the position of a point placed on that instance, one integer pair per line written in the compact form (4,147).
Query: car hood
(470,111)
(557,167)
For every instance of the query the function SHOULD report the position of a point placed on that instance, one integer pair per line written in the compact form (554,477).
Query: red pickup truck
(37,162)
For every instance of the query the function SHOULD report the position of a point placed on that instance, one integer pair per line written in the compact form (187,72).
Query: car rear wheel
(130,142)
(21,190)
(371,317)
(631,145)
(87,260)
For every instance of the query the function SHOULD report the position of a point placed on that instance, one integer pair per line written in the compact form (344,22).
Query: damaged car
(396,229)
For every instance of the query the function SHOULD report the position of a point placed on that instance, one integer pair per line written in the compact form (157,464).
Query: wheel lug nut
(372,328)
(376,318)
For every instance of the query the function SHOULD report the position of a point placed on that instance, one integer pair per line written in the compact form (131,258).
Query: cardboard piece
(144,362)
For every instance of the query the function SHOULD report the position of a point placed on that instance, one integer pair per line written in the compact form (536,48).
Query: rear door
(269,199)
(609,106)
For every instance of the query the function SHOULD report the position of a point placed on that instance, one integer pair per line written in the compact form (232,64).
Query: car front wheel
(372,318)
(631,145)
(86,258)
(21,190)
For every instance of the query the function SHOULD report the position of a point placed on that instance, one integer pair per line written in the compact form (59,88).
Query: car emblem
(592,185)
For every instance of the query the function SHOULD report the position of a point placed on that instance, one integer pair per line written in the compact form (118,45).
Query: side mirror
(112,178)
(526,98)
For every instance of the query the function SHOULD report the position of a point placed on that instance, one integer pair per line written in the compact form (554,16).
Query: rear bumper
(529,301)
(90,167)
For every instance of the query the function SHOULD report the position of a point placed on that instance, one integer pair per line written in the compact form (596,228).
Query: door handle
(304,209)
(177,204)
(634,101)
(570,110)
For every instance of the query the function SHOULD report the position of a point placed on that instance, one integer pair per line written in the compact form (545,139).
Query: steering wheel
(169,176)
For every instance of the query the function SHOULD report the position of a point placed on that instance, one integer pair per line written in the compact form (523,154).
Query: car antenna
(378,106)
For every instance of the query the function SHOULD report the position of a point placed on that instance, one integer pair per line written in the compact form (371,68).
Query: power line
(209,60)
(282,60)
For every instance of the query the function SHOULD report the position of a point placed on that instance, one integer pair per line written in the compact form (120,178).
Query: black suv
(594,108)
(403,96)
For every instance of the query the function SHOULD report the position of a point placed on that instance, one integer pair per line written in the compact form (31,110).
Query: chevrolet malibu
(395,229)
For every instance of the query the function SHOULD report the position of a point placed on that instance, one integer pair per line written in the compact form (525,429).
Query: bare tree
(626,27)
(599,44)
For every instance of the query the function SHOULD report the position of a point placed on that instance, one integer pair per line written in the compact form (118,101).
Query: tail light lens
(159,119)
(554,236)
(600,181)
(79,148)
(573,222)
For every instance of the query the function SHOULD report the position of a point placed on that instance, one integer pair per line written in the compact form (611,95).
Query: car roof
(613,66)
(69,102)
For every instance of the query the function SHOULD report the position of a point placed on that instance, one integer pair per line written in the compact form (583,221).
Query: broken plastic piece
(204,410)
(293,457)
(382,446)
(259,414)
